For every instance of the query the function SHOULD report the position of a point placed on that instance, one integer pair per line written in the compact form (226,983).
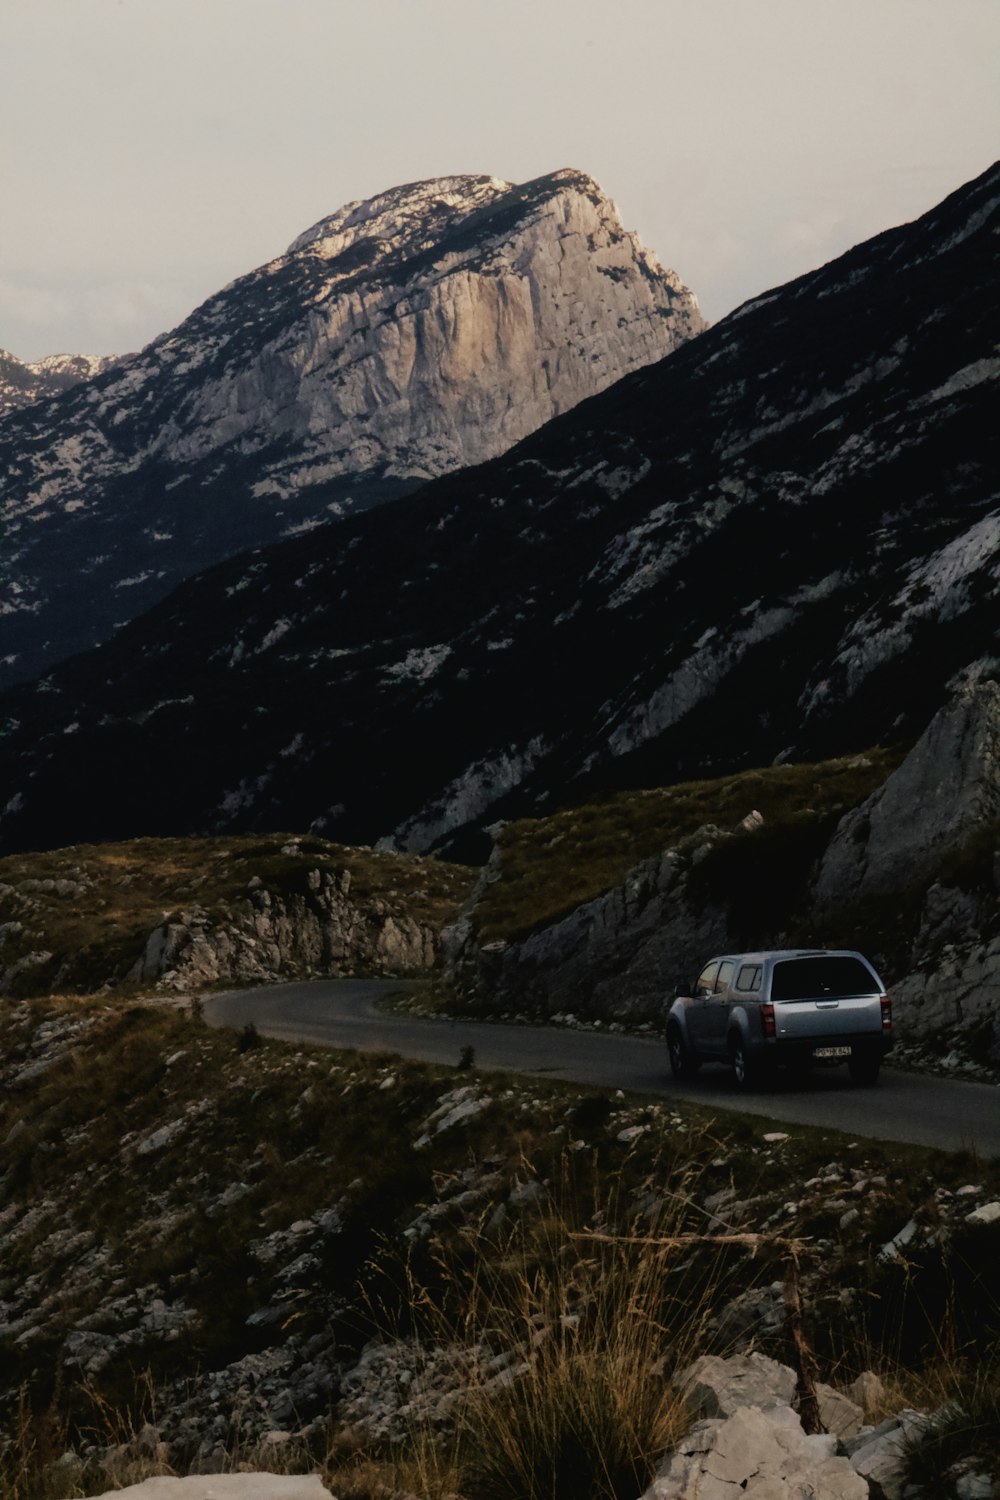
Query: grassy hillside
(550,865)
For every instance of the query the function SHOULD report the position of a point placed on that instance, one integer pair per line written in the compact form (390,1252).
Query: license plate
(831,1052)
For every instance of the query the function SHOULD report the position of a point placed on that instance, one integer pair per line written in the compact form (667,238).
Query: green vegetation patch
(549,866)
(75,919)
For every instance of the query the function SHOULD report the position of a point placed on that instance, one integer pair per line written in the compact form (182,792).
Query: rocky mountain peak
(423,330)
(409,216)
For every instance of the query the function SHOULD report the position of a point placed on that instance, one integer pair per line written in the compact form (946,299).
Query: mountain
(22,383)
(426,329)
(780,541)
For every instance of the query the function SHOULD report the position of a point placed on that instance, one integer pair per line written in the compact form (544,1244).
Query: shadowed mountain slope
(781,540)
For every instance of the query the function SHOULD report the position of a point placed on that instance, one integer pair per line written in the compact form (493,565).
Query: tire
(682,1064)
(749,1073)
(864,1069)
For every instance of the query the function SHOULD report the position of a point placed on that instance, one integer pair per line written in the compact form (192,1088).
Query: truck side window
(749,977)
(725,979)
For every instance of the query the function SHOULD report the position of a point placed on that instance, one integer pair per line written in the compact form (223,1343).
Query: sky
(153,150)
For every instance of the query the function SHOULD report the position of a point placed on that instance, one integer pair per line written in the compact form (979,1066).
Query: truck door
(717,1010)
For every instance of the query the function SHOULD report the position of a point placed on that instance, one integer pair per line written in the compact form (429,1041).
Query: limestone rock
(880,1459)
(22,382)
(268,935)
(838,1413)
(718,1387)
(867,1391)
(225,1487)
(759,1455)
(946,790)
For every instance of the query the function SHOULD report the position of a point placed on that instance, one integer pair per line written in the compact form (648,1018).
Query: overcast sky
(153,150)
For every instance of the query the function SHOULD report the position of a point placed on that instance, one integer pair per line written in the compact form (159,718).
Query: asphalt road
(348,1013)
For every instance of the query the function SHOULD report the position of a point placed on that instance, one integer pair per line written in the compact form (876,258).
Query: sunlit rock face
(426,329)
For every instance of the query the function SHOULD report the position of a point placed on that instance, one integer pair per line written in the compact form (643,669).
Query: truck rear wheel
(748,1072)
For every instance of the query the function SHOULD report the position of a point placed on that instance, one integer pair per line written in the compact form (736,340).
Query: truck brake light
(767,1020)
(886,1005)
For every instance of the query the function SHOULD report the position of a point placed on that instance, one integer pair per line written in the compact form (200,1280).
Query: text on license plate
(831,1052)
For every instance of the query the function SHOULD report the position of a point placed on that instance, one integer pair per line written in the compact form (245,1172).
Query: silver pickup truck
(795,1008)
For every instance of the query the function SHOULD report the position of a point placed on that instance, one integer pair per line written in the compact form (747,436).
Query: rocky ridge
(428,328)
(22,383)
(596,608)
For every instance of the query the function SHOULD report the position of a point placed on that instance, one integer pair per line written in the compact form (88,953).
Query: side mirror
(703,992)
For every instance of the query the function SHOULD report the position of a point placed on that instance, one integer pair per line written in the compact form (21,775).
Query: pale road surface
(347,1013)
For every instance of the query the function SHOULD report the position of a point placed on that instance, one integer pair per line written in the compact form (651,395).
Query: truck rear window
(814,978)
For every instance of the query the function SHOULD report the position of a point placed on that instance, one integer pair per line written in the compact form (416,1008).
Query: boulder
(880,1458)
(756,1455)
(718,1387)
(838,1413)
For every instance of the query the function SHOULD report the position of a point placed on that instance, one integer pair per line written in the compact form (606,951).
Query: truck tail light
(767,1020)
(886,1005)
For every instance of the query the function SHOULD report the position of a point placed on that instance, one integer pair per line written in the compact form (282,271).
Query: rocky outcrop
(186,914)
(757,1453)
(428,328)
(269,936)
(945,793)
(751,1441)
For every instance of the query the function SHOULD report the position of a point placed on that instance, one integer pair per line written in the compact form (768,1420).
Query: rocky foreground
(257,1256)
(749,1441)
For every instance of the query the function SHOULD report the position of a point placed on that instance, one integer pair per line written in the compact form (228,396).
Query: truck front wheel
(682,1064)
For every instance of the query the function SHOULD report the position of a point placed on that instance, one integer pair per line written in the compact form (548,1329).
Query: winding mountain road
(350,1013)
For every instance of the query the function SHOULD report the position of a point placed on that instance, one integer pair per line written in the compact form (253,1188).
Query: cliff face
(428,328)
(446,320)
